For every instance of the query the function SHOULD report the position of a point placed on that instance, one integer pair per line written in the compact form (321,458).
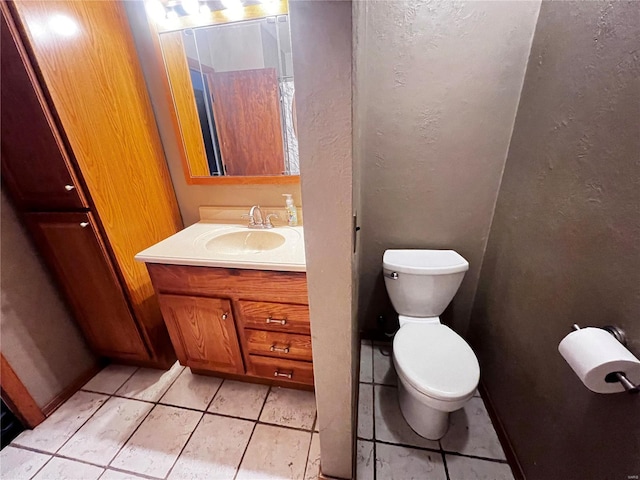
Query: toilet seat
(436,361)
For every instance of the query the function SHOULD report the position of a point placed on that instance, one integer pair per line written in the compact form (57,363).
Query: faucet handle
(250,217)
(267,222)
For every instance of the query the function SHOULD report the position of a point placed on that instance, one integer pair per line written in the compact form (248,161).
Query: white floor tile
(402,463)
(114,475)
(215,449)
(239,399)
(110,379)
(275,453)
(63,469)
(149,384)
(312,471)
(390,424)
(365,411)
(155,446)
(18,464)
(366,362)
(290,408)
(471,432)
(105,433)
(365,461)
(192,391)
(51,434)
(384,372)
(464,468)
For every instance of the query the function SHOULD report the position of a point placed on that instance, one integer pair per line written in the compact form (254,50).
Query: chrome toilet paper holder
(613,377)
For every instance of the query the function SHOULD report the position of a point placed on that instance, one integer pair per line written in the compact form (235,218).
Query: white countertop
(194,246)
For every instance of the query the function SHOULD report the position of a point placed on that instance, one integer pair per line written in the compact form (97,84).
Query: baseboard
(63,396)
(509,452)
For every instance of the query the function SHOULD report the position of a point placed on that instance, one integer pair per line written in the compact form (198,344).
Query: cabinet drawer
(279,317)
(281,369)
(277,344)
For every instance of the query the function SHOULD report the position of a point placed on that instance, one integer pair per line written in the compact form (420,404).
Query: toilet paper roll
(593,353)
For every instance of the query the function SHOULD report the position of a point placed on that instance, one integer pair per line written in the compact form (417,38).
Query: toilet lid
(436,361)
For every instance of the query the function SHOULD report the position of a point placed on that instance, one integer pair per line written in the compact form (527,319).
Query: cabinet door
(72,247)
(34,163)
(203,332)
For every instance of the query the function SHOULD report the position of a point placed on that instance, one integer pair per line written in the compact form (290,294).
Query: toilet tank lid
(424,262)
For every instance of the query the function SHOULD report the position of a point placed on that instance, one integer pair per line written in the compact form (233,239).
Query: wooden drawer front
(281,369)
(275,344)
(278,317)
(286,287)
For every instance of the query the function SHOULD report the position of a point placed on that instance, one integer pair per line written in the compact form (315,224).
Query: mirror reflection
(240,77)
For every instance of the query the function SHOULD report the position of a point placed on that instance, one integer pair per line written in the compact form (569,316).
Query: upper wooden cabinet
(78,134)
(35,166)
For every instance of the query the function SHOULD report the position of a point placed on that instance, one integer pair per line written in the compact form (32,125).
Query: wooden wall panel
(175,61)
(86,55)
(246,106)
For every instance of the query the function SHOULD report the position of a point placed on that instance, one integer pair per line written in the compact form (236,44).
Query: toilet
(437,370)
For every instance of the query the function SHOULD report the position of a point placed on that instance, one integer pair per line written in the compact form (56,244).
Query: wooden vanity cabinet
(83,163)
(246,324)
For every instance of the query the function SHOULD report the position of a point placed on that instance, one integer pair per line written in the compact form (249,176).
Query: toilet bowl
(437,370)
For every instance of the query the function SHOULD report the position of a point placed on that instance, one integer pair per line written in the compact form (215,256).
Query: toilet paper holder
(613,377)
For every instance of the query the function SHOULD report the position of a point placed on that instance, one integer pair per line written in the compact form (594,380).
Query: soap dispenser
(292,213)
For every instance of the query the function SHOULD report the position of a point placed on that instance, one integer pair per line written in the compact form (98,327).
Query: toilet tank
(421,283)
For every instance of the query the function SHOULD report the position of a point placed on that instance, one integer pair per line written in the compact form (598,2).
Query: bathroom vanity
(235,300)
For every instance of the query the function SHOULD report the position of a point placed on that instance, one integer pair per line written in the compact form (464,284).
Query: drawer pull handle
(278,373)
(225,315)
(84,224)
(68,188)
(281,321)
(279,349)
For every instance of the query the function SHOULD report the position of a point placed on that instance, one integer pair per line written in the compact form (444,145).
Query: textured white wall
(437,87)
(321,38)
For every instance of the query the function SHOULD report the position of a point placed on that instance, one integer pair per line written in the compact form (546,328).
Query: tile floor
(388,449)
(129,423)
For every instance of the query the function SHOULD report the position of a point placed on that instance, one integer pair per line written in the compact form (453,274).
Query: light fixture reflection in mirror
(156,10)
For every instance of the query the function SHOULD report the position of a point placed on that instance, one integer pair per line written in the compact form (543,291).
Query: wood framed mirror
(229,76)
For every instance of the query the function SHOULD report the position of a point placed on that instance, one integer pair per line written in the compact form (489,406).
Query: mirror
(232,87)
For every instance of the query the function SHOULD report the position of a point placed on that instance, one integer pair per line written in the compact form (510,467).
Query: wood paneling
(35,166)
(17,397)
(72,388)
(203,332)
(75,253)
(177,67)
(90,66)
(275,344)
(278,368)
(277,317)
(286,287)
(246,107)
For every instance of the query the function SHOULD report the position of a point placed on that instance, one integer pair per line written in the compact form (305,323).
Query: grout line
(374,450)
(306,463)
(42,467)
(185,445)
(477,457)
(444,461)
(83,423)
(132,434)
(406,445)
(215,394)
(264,402)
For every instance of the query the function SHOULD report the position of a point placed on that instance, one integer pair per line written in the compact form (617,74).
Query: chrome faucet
(257,220)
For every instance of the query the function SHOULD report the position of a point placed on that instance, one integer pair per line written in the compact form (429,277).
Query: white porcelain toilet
(437,370)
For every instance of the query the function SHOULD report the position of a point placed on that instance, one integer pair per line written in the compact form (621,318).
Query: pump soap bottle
(292,213)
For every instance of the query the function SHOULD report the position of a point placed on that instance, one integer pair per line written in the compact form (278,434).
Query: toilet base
(424,420)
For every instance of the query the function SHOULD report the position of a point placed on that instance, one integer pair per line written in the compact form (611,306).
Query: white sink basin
(240,243)
(230,245)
